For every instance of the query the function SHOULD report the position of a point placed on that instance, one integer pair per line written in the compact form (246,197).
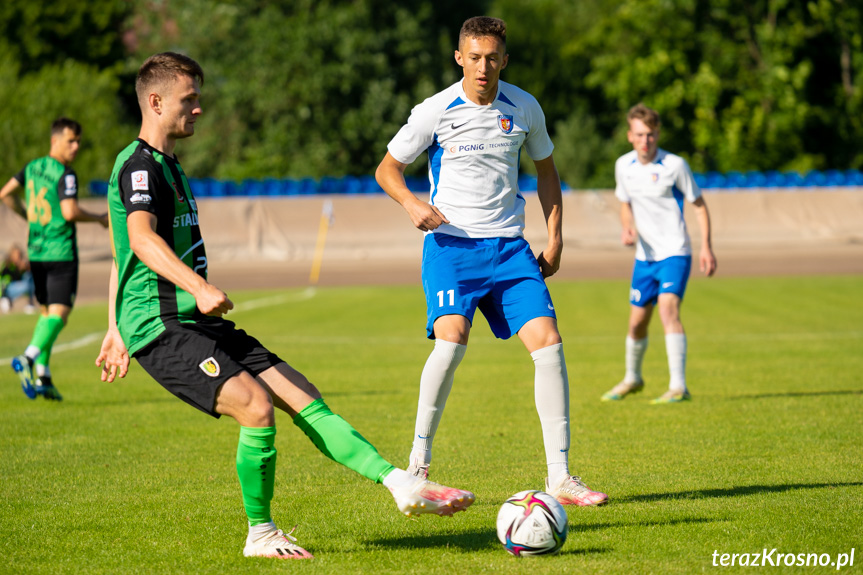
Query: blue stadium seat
(700,180)
(834,178)
(369,185)
(853,178)
(714,180)
(793,180)
(734,180)
(307,187)
(527,183)
(417,184)
(99,188)
(755,179)
(814,178)
(774,179)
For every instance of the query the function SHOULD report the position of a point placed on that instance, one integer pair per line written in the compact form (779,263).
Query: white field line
(239,308)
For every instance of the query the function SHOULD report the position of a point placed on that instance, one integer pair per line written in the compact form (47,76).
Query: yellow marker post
(326,222)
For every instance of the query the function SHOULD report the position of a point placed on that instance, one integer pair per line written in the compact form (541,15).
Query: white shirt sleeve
(619,189)
(685,182)
(538,144)
(416,136)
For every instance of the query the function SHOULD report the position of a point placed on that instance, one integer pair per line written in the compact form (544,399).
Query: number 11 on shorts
(440,297)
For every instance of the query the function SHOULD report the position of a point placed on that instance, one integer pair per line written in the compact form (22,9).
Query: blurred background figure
(16,281)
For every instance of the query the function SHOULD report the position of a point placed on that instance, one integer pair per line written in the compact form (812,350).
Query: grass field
(123,478)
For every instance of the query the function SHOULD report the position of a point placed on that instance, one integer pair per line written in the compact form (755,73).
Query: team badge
(505,123)
(654,177)
(180,198)
(634,295)
(140,180)
(210,366)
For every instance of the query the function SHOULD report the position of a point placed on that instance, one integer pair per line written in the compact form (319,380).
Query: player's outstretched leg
(571,490)
(417,496)
(23,368)
(45,388)
(267,540)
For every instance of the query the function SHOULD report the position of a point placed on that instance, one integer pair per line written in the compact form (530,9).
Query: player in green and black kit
(164,312)
(51,208)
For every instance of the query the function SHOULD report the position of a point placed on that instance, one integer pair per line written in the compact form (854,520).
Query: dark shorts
(55,282)
(192,361)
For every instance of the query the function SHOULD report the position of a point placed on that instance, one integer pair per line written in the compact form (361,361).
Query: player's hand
(115,356)
(213,301)
(103,220)
(549,261)
(628,236)
(708,261)
(425,216)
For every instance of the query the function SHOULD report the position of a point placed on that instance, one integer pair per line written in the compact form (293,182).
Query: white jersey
(656,192)
(474,155)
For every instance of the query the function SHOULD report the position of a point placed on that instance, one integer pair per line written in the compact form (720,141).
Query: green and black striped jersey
(47,182)
(145,179)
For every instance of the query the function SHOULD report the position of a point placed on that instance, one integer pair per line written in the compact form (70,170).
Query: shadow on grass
(798,394)
(482,540)
(731,491)
(668,523)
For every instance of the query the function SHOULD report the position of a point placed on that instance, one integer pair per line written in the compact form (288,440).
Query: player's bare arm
(391,177)
(551,199)
(72,212)
(113,351)
(627,223)
(11,199)
(158,256)
(707,260)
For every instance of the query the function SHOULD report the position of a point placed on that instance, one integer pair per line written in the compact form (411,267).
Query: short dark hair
(481,26)
(62,123)
(649,116)
(163,68)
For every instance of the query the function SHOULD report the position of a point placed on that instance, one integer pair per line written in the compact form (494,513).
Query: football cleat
(23,367)
(426,496)
(622,389)
(277,544)
(672,396)
(45,388)
(571,490)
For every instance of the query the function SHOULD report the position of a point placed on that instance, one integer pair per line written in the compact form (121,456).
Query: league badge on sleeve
(71,185)
(505,123)
(140,180)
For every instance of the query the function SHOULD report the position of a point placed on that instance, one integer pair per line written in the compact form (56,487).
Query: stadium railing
(358,185)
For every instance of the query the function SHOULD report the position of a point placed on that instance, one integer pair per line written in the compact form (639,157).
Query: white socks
(551,393)
(635,350)
(258,531)
(675,346)
(435,385)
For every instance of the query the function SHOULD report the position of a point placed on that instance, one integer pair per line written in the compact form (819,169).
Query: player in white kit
(475,254)
(652,185)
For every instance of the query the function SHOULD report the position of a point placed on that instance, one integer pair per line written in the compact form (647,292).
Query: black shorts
(193,360)
(55,282)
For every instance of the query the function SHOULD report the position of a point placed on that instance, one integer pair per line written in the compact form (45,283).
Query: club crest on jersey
(505,123)
(180,198)
(654,177)
(210,366)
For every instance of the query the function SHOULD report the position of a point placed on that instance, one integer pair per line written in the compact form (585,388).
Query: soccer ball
(532,523)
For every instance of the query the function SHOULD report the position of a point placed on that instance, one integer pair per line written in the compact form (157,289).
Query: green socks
(336,439)
(47,329)
(256,468)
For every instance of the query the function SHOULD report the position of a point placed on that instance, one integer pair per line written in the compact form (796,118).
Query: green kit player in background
(164,313)
(51,209)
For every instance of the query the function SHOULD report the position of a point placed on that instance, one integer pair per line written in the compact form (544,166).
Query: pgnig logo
(461,148)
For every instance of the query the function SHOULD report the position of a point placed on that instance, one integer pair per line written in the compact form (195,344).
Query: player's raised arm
(551,199)
(158,256)
(391,177)
(12,200)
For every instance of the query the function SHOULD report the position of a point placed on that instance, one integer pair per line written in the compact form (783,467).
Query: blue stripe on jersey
(678,196)
(456,102)
(435,156)
(502,97)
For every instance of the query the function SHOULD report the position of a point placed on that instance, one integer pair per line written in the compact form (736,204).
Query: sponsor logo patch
(140,180)
(211,367)
(634,295)
(140,198)
(71,185)
(505,123)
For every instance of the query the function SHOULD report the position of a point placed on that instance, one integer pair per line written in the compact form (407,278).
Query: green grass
(123,478)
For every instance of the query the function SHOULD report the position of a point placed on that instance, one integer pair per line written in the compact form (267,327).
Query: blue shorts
(649,279)
(499,275)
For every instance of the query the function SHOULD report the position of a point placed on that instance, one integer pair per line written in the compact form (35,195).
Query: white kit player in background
(652,185)
(474,252)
